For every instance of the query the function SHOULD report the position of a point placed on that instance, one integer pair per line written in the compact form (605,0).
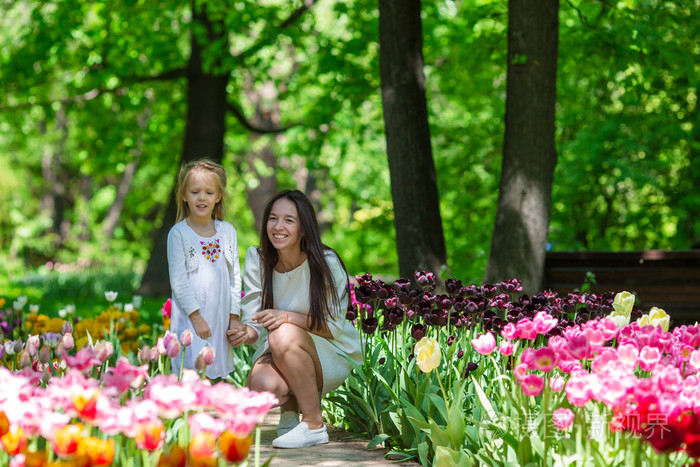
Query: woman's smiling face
(283,227)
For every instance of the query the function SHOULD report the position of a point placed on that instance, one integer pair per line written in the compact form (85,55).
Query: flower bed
(509,378)
(66,399)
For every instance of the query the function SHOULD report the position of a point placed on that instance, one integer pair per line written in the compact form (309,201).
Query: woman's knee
(267,381)
(287,337)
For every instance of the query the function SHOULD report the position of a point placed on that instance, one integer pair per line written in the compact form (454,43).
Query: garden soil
(341,451)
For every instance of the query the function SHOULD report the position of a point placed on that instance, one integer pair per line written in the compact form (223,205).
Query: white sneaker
(288,420)
(301,437)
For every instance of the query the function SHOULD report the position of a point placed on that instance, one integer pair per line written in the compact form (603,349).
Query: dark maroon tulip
(471,366)
(453,286)
(369,325)
(402,284)
(450,340)
(418,331)
(382,360)
(351,315)
(391,302)
(460,353)
(489,290)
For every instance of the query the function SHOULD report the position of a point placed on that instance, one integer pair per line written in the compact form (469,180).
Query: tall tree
(519,239)
(419,237)
(204,137)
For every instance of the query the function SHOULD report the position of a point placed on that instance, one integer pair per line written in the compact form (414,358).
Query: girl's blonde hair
(201,165)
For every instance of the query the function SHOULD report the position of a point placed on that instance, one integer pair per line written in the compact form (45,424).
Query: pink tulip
(648,358)
(207,354)
(628,353)
(84,359)
(544,322)
(544,359)
(125,375)
(563,418)
(186,338)
(578,391)
(578,347)
(506,348)
(67,341)
(520,371)
(484,344)
(526,329)
(556,383)
(532,384)
(509,331)
(104,350)
(205,422)
(569,366)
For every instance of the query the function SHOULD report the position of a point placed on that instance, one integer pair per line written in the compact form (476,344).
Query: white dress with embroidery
(205,275)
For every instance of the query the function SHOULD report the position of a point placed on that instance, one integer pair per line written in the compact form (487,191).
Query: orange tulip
(14,441)
(202,445)
(100,452)
(234,447)
(150,435)
(86,404)
(4,424)
(65,440)
(174,457)
(34,459)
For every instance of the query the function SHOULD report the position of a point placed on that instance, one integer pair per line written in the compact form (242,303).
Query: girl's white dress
(291,293)
(205,275)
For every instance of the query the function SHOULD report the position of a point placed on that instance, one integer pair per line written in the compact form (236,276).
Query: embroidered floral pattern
(211,250)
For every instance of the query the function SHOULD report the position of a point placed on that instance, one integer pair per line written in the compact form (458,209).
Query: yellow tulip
(428,354)
(620,319)
(659,317)
(623,303)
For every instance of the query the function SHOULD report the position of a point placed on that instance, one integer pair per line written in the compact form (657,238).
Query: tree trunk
(519,238)
(420,241)
(112,218)
(204,137)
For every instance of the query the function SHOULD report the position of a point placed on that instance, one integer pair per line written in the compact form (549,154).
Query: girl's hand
(201,328)
(271,319)
(237,337)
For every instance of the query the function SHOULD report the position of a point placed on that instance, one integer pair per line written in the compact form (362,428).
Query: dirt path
(340,451)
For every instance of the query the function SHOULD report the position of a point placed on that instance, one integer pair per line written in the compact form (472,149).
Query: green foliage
(90,90)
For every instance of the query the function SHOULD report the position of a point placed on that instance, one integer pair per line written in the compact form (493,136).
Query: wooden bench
(666,279)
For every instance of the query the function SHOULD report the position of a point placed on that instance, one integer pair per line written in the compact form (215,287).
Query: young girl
(294,310)
(204,268)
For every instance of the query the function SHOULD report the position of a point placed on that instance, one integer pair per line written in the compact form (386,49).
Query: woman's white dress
(291,293)
(214,290)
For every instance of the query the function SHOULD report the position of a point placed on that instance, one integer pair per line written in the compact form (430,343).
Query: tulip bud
(67,341)
(67,327)
(186,338)
(208,354)
(32,345)
(173,350)
(25,360)
(199,364)
(45,354)
(104,350)
(17,346)
(45,375)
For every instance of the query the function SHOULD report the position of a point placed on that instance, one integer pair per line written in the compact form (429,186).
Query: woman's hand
(271,319)
(237,337)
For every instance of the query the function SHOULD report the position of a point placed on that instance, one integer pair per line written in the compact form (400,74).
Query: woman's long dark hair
(322,292)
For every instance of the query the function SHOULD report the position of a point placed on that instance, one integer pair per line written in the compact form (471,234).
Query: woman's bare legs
(287,371)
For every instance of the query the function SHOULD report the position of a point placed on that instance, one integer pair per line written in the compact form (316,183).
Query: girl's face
(283,227)
(202,194)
